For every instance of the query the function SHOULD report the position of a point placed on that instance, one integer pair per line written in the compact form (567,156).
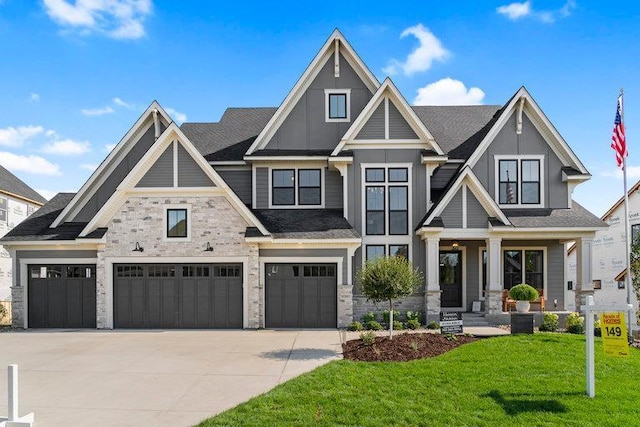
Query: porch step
(474,319)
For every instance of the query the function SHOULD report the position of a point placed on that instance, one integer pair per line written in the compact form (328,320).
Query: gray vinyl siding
(473,282)
(374,128)
(190,174)
(161,173)
(398,126)
(108,187)
(239,181)
(477,216)
(262,188)
(305,127)
(287,254)
(50,254)
(507,142)
(443,175)
(333,189)
(452,214)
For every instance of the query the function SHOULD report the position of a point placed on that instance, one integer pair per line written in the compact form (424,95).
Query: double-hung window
(296,187)
(519,181)
(284,187)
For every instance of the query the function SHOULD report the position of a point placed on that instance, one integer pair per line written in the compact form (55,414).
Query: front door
(451,278)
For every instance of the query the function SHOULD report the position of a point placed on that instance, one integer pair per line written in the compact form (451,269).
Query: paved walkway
(152,378)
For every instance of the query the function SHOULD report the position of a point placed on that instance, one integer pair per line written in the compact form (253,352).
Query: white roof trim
(540,121)
(307,78)
(468,177)
(128,184)
(110,163)
(388,90)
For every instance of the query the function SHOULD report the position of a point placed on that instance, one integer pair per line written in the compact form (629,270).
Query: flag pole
(626,224)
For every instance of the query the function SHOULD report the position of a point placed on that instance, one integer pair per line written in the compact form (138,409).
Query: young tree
(386,279)
(634,264)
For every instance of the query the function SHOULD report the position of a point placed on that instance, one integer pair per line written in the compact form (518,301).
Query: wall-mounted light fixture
(138,248)
(455,246)
(208,248)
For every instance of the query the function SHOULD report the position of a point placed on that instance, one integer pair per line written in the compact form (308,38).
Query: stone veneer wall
(414,303)
(213,220)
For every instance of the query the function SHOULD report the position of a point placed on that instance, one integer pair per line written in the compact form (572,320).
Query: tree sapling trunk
(390,320)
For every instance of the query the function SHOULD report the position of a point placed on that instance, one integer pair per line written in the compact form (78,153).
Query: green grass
(525,380)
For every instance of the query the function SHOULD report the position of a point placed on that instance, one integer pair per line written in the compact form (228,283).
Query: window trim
(328,92)
(519,159)
(165,222)
(296,194)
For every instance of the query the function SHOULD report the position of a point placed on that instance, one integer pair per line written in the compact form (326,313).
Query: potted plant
(523,294)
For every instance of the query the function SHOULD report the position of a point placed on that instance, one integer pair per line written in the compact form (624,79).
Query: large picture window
(519,181)
(523,266)
(387,201)
(376,251)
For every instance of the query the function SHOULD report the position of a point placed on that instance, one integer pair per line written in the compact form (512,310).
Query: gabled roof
(111,162)
(14,186)
(336,39)
(390,91)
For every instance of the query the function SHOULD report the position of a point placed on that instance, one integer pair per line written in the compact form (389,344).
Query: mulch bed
(403,347)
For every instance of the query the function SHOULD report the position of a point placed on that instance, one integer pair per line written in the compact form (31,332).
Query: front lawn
(524,380)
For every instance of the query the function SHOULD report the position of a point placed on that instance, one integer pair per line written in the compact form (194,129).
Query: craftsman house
(262,218)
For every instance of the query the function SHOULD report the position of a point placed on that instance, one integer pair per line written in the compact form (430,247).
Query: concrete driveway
(152,378)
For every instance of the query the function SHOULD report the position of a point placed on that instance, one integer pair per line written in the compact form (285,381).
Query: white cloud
(516,11)
(34,97)
(16,137)
(97,111)
(448,92)
(47,194)
(109,147)
(430,49)
(67,147)
(177,116)
(29,164)
(120,103)
(120,19)
(89,166)
(633,172)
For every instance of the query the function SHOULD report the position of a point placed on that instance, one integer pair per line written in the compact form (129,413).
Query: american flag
(619,140)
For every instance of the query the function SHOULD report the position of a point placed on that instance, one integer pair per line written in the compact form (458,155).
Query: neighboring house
(17,202)
(608,264)
(263,218)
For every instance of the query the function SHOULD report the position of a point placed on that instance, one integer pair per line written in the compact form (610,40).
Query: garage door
(62,296)
(301,296)
(177,296)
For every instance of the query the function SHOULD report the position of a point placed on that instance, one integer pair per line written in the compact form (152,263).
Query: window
(597,284)
(523,266)
(519,181)
(375,210)
(284,184)
(296,187)
(3,209)
(376,251)
(177,223)
(309,186)
(337,105)
(387,206)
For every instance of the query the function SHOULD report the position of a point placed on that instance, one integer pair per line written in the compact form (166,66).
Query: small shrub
(373,325)
(397,325)
(433,325)
(3,312)
(367,337)
(523,292)
(369,317)
(597,329)
(413,345)
(356,326)
(386,316)
(451,337)
(413,324)
(414,315)
(549,323)
(574,323)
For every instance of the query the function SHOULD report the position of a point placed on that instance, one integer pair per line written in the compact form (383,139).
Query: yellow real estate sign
(614,334)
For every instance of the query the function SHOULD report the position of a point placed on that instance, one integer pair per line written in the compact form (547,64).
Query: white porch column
(432,292)
(493,292)
(583,285)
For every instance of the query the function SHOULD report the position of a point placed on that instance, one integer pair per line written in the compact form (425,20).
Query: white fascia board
(434,159)
(425,232)
(285,158)
(326,52)
(55,244)
(227,163)
(20,198)
(579,178)
(341,159)
(108,165)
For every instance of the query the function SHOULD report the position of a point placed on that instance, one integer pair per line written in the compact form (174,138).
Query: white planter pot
(523,306)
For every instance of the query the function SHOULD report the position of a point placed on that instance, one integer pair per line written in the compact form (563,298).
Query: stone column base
(493,301)
(17,307)
(433,302)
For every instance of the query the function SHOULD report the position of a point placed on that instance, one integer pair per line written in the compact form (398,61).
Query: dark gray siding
(398,126)
(477,216)
(305,127)
(262,188)
(443,175)
(239,181)
(61,254)
(109,186)
(190,174)
(333,189)
(473,271)
(452,214)
(161,173)
(529,142)
(287,254)
(374,128)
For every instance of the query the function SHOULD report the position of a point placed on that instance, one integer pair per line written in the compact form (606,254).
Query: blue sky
(75,75)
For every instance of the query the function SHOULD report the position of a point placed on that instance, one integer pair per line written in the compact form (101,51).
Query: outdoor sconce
(138,248)
(208,248)
(455,246)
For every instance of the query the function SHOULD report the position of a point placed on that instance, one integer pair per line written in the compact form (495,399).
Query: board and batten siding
(374,128)
(161,173)
(239,181)
(452,214)
(262,188)
(398,126)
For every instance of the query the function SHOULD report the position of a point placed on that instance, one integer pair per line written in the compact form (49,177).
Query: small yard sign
(450,322)
(614,334)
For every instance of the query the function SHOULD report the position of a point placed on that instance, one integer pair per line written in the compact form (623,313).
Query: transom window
(177,225)
(387,201)
(376,251)
(523,266)
(285,182)
(337,105)
(519,181)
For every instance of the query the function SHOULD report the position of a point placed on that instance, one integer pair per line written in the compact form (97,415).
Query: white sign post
(590,309)
(13,419)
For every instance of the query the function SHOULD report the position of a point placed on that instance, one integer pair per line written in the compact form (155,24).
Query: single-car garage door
(62,296)
(177,296)
(301,296)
